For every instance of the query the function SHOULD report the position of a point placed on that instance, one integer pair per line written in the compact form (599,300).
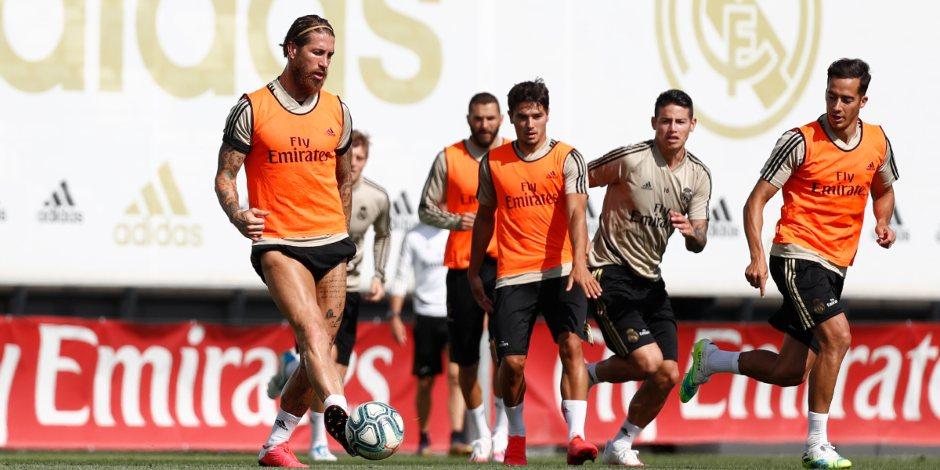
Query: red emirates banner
(101,384)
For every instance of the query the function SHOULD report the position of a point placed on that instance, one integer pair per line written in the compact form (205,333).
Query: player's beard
(483,138)
(307,80)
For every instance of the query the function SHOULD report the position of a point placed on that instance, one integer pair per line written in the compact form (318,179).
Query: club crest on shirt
(686,196)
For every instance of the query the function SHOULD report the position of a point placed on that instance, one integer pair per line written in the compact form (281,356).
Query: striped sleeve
(606,170)
(889,168)
(787,156)
(382,237)
(346,138)
(434,195)
(575,173)
(702,194)
(238,125)
(486,193)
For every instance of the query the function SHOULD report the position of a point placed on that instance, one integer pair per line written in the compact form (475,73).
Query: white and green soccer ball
(375,430)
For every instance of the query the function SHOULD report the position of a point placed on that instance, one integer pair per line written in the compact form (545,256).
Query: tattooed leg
(296,294)
(331,295)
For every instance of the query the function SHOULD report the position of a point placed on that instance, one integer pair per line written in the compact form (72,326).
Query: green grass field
(16,459)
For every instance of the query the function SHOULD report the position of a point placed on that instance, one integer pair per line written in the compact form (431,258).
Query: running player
(422,258)
(370,209)
(827,169)
(293,136)
(653,189)
(449,201)
(534,192)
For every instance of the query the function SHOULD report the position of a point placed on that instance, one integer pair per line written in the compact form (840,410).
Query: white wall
(103,94)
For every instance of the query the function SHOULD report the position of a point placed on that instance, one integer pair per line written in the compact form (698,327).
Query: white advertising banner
(113,112)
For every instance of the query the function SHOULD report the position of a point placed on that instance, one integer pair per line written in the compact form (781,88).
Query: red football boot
(579,451)
(515,452)
(279,456)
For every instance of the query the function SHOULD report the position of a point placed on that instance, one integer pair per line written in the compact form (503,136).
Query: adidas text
(157,231)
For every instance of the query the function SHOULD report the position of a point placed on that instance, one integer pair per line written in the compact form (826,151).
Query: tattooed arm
(344,182)
(694,231)
(250,222)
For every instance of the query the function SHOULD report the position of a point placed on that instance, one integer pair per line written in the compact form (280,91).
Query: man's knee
(667,375)
(648,359)
(569,347)
(514,365)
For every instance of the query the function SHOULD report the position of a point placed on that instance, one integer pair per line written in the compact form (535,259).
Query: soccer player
(449,201)
(654,188)
(827,169)
(534,192)
(293,137)
(370,206)
(422,258)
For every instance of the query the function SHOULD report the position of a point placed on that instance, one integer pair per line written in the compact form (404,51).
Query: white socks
(722,361)
(283,427)
(816,434)
(574,411)
(317,429)
(500,421)
(628,433)
(478,417)
(516,423)
(338,400)
(592,374)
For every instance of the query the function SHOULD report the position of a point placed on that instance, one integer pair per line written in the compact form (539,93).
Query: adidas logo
(60,207)
(900,230)
(648,185)
(330,132)
(871,166)
(154,218)
(3,214)
(722,225)
(403,215)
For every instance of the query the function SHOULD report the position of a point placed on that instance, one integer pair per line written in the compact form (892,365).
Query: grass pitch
(92,460)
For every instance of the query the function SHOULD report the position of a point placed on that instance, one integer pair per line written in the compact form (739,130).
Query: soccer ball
(375,430)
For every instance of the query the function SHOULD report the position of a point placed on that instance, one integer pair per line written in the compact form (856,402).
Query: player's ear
(653,122)
(291,50)
(863,101)
(692,124)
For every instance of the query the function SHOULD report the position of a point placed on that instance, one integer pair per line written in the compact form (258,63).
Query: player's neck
(846,135)
(673,157)
(530,149)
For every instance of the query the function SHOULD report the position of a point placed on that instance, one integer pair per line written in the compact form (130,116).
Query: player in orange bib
(534,192)
(293,136)
(827,169)
(449,201)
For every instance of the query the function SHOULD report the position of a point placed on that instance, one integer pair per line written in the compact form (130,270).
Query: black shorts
(319,260)
(430,339)
(811,295)
(346,334)
(634,311)
(517,306)
(464,316)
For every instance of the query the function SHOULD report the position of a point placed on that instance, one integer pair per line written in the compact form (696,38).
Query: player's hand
(580,274)
(886,235)
(250,222)
(479,293)
(756,274)
(398,330)
(466,221)
(376,292)
(681,223)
